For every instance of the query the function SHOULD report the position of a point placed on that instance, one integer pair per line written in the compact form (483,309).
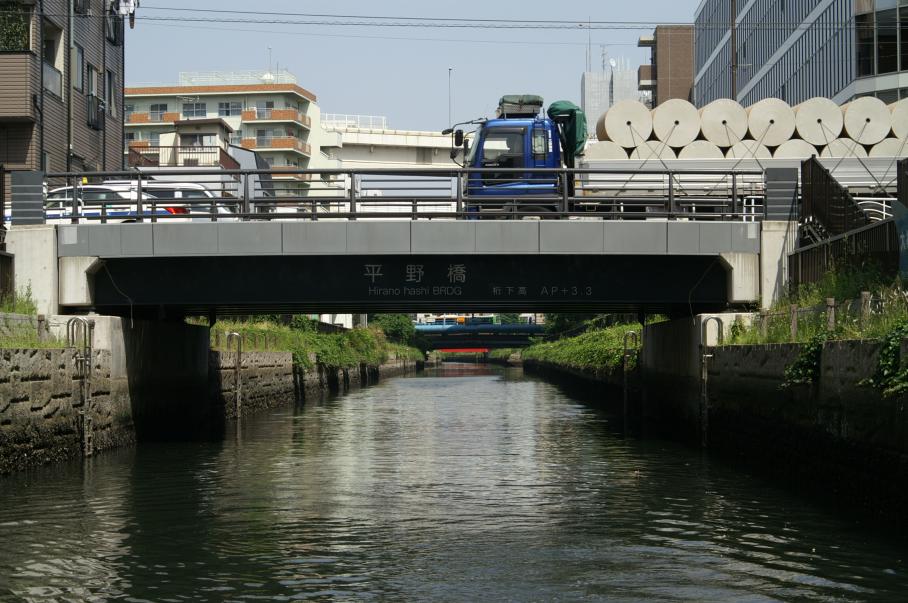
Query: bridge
(478,336)
(663,246)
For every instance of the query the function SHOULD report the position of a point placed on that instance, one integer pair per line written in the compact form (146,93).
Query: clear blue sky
(398,72)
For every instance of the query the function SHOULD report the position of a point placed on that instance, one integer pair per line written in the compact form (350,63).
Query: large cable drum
(890,147)
(749,149)
(819,121)
(843,147)
(724,122)
(796,149)
(899,112)
(653,150)
(701,149)
(771,122)
(868,120)
(628,124)
(605,149)
(676,122)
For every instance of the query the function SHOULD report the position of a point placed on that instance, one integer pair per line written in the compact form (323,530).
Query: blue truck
(518,141)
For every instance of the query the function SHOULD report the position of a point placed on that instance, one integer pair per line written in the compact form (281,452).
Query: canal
(465,483)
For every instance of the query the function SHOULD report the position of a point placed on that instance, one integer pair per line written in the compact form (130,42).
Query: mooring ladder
(238,395)
(631,345)
(79,337)
(704,373)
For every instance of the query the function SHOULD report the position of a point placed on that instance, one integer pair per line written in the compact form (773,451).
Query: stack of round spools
(771,128)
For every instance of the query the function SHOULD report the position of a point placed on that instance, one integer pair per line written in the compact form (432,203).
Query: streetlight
(450,96)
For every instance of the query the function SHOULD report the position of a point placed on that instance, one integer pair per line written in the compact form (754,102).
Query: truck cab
(514,144)
(519,140)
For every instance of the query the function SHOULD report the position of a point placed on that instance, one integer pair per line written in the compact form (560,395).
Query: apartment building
(61,85)
(185,124)
(798,50)
(670,72)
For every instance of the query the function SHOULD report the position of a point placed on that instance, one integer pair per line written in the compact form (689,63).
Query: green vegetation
(888,310)
(19,303)
(27,339)
(13,26)
(397,327)
(595,350)
(503,353)
(342,350)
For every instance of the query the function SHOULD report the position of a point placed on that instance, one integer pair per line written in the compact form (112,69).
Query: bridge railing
(290,193)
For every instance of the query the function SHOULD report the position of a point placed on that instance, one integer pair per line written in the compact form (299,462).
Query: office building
(599,90)
(797,50)
(670,73)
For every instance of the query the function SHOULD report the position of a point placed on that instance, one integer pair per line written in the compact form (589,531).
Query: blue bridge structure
(479,336)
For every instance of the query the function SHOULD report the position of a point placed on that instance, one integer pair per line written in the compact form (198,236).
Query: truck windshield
(502,148)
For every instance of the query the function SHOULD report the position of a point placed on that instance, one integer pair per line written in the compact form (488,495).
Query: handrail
(238,396)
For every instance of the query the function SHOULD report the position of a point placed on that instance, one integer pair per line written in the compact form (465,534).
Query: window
(230,108)
(110,93)
(903,37)
(78,68)
(154,139)
(194,110)
(157,111)
(93,80)
(540,148)
(114,27)
(864,43)
(128,110)
(887,41)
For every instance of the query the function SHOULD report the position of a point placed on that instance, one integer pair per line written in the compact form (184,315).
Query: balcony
(277,115)
(151,117)
(20,76)
(95,112)
(178,157)
(646,78)
(53,80)
(277,175)
(278,143)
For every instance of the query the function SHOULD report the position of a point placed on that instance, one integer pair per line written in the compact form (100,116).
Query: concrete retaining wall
(838,437)
(44,404)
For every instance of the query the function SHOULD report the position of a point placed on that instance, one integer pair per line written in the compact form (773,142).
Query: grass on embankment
(889,311)
(598,350)
(18,335)
(348,349)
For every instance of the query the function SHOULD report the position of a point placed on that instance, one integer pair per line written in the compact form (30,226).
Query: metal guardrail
(871,237)
(338,194)
(874,245)
(827,202)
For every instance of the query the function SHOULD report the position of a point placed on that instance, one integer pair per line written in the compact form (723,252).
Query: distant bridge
(479,336)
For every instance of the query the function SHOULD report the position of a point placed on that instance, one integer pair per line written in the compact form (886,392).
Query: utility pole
(450,97)
(734,49)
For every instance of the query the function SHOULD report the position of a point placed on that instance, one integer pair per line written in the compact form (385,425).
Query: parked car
(198,200)
(104,202)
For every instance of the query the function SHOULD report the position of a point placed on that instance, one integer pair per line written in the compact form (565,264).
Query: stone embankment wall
(839,436)
(271,379)
(49,413)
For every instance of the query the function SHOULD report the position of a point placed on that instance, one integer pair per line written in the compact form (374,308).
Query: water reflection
(467,483)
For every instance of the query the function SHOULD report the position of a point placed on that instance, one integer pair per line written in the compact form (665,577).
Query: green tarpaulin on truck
(572,122)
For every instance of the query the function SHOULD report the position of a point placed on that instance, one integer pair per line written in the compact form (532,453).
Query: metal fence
(335,194)
(828,203)
(875,245)
(798,323)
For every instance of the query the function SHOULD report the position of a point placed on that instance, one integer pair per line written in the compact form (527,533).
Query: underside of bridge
(675,285)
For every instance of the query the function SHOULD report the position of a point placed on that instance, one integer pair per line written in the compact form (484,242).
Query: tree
(397,327)
(13,26)
(509,319)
